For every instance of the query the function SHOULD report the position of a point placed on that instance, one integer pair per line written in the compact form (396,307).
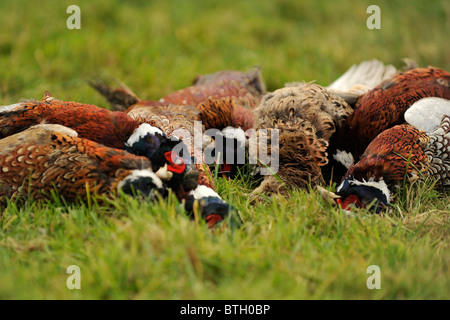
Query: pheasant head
(152,143)
(363,194)
(144,182)
(212,208)
(397,153)
(228,150)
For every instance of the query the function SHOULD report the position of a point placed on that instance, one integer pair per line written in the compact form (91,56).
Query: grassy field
(296,248)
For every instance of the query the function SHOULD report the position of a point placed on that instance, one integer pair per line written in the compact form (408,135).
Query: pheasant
(221,101)
(398,152)
(381,108)
(178,122)
(45,157)
(224,98)
(306,115)
(245,89)
(112,129)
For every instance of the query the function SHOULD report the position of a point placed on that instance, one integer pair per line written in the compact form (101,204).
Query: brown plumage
(175,121)
(225,112)
(308,101)
(306,116)
(119,130)
(384,106)
(178,122)
(224,98)
(379,109)
(213,113)
(98,124)
(167,117)
(299,154)
(46,158)
(386,156)
(120,98)
(218,100)
(112,129)
(395,154)
(244,88)
(252,78)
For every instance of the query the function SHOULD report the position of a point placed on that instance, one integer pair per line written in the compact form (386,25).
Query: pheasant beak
(328,196)
(176,163)
(350,202)
(164,174)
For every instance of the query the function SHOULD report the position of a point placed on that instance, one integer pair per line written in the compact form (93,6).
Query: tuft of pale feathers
(361,78)
(368,73)
(307,101)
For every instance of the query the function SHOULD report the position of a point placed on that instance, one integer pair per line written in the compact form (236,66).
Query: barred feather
(98,124)
(438,152)
(306,116)
(43,157)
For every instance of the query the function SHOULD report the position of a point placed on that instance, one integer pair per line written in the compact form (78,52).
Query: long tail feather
(120,98)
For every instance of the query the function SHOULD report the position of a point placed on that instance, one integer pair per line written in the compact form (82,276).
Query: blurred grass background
(287,249)
(156,47)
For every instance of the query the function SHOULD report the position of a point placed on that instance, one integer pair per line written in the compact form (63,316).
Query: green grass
(296,248)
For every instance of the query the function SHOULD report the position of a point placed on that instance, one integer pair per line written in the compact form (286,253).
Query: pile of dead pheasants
(365,133)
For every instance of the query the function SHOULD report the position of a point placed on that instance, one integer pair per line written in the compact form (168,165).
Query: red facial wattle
(213,219)
(350,201)
(174,167)
(226,167)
